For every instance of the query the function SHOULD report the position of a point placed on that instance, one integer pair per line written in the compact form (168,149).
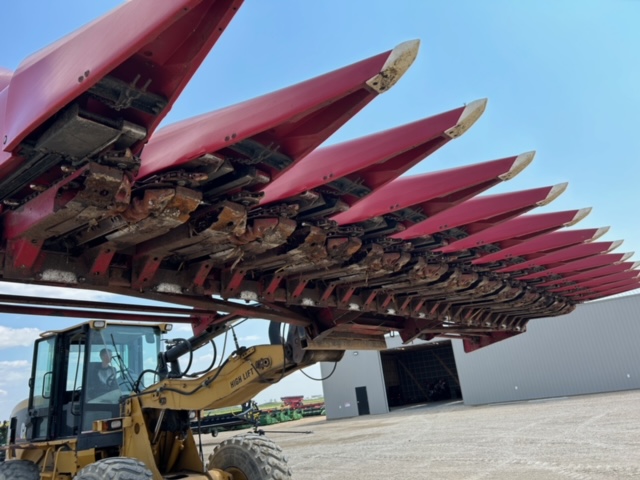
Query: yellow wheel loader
(108,402)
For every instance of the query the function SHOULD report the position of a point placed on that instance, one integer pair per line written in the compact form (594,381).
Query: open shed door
(420,373)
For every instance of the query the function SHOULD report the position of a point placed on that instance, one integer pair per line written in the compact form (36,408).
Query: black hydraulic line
(335,364)
(192,344)
(175,370)
(275,336)
(204,384)
(211,365)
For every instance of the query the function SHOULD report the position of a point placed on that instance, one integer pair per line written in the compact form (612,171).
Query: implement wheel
(117,468)
(19,470)
(250,457)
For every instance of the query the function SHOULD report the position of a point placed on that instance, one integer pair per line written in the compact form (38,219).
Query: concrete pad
(579,438)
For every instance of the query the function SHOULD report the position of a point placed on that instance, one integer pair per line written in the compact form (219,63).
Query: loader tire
(250,457)
(117,468)
(19,470)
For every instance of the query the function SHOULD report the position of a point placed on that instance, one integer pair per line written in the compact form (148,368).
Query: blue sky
(561,77)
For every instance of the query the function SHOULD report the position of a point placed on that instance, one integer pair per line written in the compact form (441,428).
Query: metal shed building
(594,349)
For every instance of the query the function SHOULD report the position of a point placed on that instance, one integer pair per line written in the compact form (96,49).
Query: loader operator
(106,372)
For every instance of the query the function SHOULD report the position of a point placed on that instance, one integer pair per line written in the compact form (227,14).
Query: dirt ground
(578,438)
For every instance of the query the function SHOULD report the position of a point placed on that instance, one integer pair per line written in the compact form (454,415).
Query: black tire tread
(19,470)
(117,468)
(255,455)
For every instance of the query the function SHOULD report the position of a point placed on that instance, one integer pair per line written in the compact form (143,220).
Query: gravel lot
(586,437)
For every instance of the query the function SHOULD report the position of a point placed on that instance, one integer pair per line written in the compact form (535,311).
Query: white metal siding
(594,349)
(361,370)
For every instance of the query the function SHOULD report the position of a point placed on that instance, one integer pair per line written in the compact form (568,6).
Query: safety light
(98,324)
(110,425)
(165,327)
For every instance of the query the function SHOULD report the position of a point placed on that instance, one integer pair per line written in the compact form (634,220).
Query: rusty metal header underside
(244,203)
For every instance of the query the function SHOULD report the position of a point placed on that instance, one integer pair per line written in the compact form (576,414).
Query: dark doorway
(363,400)
(420,373)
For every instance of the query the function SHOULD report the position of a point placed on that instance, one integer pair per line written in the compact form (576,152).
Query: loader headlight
(165,327)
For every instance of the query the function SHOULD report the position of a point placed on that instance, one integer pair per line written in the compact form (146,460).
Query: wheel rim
(236,473)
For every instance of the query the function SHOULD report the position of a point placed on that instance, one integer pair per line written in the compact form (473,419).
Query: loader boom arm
(239,379)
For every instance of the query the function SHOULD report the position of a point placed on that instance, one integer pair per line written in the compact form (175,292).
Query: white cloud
(249,338)
(14,384)
(201,362)
(17,337)
(182,328)
(14,372)
(14,364)
(53,292)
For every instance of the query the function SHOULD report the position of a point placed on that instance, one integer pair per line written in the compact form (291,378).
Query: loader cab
(80,375)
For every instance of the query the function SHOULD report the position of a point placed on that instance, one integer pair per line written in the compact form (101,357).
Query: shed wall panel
(361,370)
(594,349)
